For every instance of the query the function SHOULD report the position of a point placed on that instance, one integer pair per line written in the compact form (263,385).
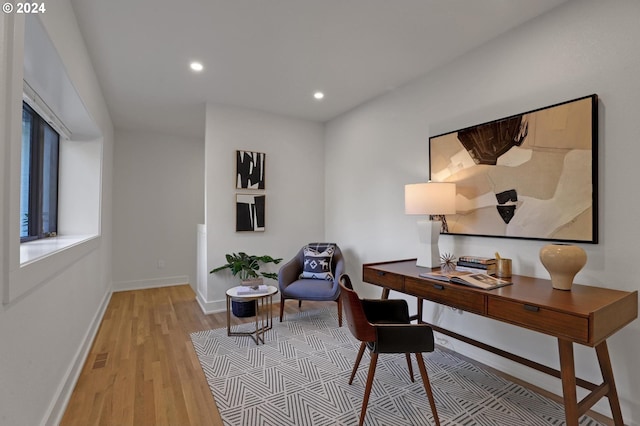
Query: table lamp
(432,199)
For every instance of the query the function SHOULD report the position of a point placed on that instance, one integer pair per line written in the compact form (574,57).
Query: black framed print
(532,175)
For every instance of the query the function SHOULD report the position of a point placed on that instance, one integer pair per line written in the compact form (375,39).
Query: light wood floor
(142,368)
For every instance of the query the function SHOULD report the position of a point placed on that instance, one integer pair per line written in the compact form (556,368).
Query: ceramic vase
(563,262)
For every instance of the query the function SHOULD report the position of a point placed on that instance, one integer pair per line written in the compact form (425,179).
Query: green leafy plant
(248,266)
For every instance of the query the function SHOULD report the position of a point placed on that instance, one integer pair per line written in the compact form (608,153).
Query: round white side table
(263,316)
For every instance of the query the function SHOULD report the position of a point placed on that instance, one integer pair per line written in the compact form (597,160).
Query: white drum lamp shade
(430,198)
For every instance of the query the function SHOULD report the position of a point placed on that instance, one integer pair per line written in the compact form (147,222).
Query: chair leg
(357,363)
(427,387)
(281,307)
(367,390)
(410,366)
(339,300)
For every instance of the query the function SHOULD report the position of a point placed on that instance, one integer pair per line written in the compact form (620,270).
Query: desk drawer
(384,279)
(540,319)
(460,298)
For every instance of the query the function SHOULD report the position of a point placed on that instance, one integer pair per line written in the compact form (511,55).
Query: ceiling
(272,55)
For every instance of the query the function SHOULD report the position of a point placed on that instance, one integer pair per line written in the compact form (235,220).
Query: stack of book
(486,265)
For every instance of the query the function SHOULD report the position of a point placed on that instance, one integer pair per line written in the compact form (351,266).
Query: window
(38,177)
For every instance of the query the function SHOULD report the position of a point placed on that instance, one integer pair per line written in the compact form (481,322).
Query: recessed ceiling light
(318,95)
(196,66)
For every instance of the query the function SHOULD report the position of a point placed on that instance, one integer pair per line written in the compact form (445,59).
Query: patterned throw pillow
(317,261)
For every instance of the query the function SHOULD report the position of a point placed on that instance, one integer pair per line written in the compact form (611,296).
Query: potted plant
(247,268)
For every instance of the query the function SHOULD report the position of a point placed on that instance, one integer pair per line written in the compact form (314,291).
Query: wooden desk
(585,315)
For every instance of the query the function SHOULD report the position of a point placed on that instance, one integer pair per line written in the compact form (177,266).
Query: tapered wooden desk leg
(607,374)
(385,293)
(568,375)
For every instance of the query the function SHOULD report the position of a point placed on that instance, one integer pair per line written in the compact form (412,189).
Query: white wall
(581,48)
(158,201)
(45,331)
(294,189)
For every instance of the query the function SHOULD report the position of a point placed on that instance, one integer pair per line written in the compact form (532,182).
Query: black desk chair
(383,327)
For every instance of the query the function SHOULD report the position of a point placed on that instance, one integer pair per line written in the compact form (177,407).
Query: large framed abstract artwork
(250,170)
(250,210)
(531,175)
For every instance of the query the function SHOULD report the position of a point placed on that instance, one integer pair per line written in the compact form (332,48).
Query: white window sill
(34,250)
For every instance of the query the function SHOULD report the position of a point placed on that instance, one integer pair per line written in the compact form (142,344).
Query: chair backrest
(354,312)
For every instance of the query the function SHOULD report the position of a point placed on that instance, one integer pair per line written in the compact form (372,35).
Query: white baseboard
(63,393)
(215,306)
(211,307)
(150,283)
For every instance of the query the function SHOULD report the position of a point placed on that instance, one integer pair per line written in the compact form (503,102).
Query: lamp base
(429,233)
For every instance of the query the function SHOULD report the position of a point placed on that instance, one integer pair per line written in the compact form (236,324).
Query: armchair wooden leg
(367,390)
(427,387)
(339,301)
(357,363)
(281,307)
(299,303)
(410,367)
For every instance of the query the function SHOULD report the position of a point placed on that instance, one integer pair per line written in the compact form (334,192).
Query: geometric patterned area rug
(299,378)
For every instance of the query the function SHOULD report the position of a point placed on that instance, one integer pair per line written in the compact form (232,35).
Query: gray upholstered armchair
(313,274)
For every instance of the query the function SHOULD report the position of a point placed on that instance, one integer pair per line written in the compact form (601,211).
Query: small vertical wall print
(250,170)
(250,212)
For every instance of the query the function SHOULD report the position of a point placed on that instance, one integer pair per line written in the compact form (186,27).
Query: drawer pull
(381,273)
(438,286)
(531,308)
